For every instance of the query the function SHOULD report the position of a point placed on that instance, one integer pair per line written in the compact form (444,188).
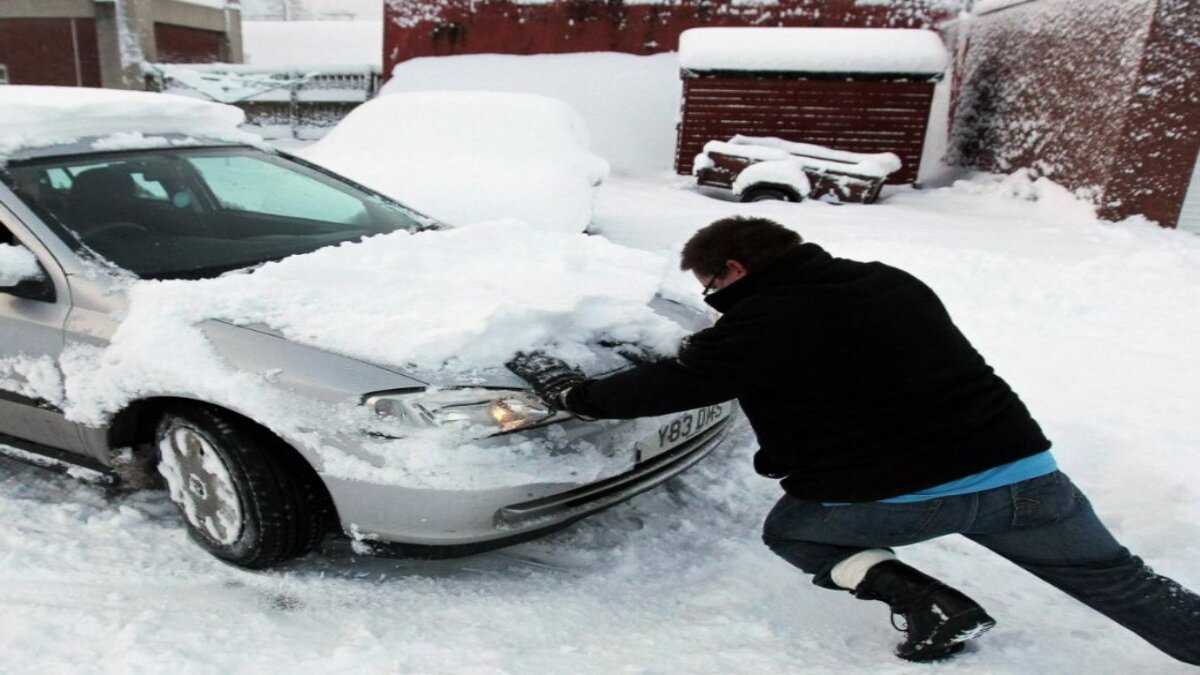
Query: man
(887,428)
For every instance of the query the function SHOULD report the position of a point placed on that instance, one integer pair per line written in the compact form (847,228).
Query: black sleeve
(712,367)
(647,390)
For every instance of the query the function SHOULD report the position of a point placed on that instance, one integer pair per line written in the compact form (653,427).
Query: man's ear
(739,270)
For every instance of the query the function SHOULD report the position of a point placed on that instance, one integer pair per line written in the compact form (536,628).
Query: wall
(416,28)
(863,116)
(1097,95)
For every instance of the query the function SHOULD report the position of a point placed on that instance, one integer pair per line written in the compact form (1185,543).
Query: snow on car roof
(34,116)
(814,50)
(468,156)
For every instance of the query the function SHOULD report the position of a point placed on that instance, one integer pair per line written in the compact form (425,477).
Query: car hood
(258,347)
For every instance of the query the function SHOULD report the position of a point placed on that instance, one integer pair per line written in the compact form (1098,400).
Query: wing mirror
(21,274)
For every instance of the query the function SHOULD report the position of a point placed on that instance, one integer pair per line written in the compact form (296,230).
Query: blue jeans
(1045,525)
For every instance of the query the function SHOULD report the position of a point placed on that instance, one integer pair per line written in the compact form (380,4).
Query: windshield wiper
(208,272)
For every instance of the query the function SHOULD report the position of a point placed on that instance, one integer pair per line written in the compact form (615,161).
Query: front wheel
(764,194)
(247,497)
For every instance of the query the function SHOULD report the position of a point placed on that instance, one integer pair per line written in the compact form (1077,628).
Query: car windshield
(175,213)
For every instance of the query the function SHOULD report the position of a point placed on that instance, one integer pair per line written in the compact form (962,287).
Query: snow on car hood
(465,157)
(462,299)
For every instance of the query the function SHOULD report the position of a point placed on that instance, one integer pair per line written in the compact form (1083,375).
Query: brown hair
(751,241)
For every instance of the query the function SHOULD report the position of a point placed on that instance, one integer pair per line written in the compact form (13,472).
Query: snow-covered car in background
(464,157)
(293,351)
(762,168)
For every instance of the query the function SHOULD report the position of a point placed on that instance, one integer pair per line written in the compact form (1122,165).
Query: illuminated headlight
(496,410)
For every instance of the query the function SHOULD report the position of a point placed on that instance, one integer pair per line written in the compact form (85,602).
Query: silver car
(251,495)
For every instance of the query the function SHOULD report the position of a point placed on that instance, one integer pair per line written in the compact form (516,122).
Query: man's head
(727,250)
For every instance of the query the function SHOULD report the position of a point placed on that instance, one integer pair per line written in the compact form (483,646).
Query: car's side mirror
(22,276)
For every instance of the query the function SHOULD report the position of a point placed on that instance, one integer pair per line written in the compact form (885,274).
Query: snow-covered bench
(759,168)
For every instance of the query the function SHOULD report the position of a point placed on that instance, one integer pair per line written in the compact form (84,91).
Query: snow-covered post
(125,31)
(232,44)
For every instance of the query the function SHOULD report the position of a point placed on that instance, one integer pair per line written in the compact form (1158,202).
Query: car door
(31,341)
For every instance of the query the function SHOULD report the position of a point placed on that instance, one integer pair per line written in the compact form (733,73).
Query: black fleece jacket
(856,382)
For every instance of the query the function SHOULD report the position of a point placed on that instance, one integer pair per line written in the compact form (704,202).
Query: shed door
(1189,218)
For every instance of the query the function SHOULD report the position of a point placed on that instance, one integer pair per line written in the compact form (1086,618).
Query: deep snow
(1093,323)
(466,157)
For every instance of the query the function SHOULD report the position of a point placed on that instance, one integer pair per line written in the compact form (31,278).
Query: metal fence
(280,103)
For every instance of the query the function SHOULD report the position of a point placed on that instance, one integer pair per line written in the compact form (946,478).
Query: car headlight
(498,410)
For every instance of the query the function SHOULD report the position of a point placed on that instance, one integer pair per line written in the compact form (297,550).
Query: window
(198,212)
(255,185)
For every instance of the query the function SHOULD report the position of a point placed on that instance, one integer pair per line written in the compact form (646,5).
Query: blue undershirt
(1005,474)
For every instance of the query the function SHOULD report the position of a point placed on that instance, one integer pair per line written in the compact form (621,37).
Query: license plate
(680,430)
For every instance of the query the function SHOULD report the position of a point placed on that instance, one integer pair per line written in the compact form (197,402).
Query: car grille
(610,491)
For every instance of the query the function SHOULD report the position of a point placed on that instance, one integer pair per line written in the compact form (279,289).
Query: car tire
(246,496)
(763,194)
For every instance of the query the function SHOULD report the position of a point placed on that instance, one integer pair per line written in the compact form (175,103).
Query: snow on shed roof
(32,116)
(814,50)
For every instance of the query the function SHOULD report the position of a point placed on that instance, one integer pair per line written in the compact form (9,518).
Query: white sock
(850,572)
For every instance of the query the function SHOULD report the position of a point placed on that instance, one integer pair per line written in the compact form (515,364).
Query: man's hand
(550,377)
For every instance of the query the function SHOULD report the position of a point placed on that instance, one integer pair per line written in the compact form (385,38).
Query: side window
(249,184)
(6,236)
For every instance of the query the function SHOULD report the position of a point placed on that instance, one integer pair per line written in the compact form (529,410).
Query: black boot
(938,619)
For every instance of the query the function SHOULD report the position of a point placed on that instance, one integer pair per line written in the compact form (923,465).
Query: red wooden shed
(866,90)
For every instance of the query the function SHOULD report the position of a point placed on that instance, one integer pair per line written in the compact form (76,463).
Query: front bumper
(446,523)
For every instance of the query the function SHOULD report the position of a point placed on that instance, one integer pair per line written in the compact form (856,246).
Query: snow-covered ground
(1094,324)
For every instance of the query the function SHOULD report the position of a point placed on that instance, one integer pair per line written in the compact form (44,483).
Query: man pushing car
(886,428)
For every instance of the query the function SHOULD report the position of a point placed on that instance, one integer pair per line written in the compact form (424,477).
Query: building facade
(103,43)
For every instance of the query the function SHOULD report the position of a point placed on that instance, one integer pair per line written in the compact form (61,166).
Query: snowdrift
(466,157)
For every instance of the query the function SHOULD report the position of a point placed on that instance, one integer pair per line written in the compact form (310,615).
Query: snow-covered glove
(551,377)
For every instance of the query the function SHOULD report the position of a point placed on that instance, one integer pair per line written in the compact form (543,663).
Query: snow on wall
(1163,121)
(452,27)
(1049,85)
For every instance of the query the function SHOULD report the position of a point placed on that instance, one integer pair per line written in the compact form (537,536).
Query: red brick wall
(415,28)
(1100,96)
(47,51)
(856,116)
(178,44)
